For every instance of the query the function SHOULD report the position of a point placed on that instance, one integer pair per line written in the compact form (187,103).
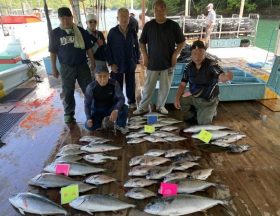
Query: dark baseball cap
(198,44)
(101,68)
(64,11)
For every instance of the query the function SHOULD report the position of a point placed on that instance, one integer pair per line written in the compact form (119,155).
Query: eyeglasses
(92,21)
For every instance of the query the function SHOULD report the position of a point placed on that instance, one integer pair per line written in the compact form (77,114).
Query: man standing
(157,43)
(133,22)
(203,74)
(123,54)
(210,22)
(71,44)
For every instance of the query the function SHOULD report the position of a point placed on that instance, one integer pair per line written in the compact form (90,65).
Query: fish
(95,148)
(99,203)
(192,185)
(174,138)
(183,165)
(75,168)
(158,172)
(182,205)
(201,174)
(231,138)
(176,175)
(99,179)
(93,139)
(139,182)
(187,157)
(169,128)
(136,140)
(69,158)
(155,152)
(137,118)
(217,134)
(135,135)
(154,139)
(171,121)
(51,180)
(139,170)
(98,158)
(139,193)
(70,152)
(153,161)
(135,122)
(174,152)
(160,124)
(35,204)
(198,128)
(136,160)
(239,148)
(135,126)
(70,146)
(163,134)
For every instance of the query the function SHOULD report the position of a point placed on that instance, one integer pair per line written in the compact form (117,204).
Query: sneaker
(68,119)
(139,111)
(105,123)
(132,106)
(123,130)
(163,110)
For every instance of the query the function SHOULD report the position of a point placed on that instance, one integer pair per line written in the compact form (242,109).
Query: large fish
(201,174)
(75,168)
(51,180)
(69,152)
(181,205)
(169,128)
(95,148)
(138,182)
(163,134)
(98,158)
(139,193)
(198,128)
(217,134)
(99,179)
(192,185)
(158,172)
(99,203)
(231,138)
(35,204)
(70,146)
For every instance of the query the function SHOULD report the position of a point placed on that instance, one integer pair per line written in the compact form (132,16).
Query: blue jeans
(101,112)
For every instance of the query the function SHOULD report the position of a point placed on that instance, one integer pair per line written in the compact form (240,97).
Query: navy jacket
(122,51)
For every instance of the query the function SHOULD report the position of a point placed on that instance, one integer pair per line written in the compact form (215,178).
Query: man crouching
(104,99)
(203,74)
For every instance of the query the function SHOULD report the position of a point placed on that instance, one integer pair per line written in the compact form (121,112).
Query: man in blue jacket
(123,54)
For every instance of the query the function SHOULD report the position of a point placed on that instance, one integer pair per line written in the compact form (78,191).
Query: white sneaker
(139,111)
(163,110)
(123,130)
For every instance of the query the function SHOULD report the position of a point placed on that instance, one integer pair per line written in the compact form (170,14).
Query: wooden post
(187,8)
(241,8)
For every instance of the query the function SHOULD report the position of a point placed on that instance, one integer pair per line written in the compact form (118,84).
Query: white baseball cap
(210,5)
(91,17)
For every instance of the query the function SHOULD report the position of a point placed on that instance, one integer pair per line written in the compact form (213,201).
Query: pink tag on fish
(62,169)
(168,189)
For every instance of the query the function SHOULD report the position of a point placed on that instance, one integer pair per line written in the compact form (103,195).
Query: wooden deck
(252,178)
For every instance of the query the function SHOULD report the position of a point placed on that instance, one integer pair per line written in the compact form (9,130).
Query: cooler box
(48,65)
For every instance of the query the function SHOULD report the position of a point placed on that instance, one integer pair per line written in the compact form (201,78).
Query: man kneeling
(203,74)
(104,99)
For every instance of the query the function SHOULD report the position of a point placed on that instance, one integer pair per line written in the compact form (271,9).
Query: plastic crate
(48,65)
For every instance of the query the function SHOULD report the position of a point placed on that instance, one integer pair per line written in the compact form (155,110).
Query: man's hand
(89,123)
(55,73)
(114,115)
(114,68)
(177,103)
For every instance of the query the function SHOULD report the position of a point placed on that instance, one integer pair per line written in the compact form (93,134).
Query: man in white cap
(97,39)
(210,22)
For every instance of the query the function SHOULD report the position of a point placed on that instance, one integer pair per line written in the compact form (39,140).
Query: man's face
(160,12)
(102,78)
(198,55)
(66,22)
(91,24)
(123,18)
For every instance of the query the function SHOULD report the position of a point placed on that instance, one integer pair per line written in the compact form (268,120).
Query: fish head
(34,180)
(155,207)
(17,201)
(77,203)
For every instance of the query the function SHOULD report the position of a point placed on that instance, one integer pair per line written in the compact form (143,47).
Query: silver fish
(136,140)
(231,138)
(70,146)
(93,139)
(94,148)
(201,174)
(138,182)
(155,152)
(174,138)
(69,152)
(99,179)
(135,122)
(136,160)
(69,158)
(187,157)
(217,134)
(98,158)
(154,139)
(169,128)
(221,144)
(198,128)
(183,165)
(171,121)
(135,126)
(159,172)
(139,193)
(175,175)
(163,134)
(51,180)
(239,148)
(192,185)
(35,204)
(99,203)
(76,168)
(137,118)
(135,135)
(175,152)
(139,170)
(181,205)
(153,161)
(160,124)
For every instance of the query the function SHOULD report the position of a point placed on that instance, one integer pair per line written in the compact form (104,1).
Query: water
(267,34)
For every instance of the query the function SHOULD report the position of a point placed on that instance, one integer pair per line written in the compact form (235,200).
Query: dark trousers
(129,76)
(101,112)
(69,75)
